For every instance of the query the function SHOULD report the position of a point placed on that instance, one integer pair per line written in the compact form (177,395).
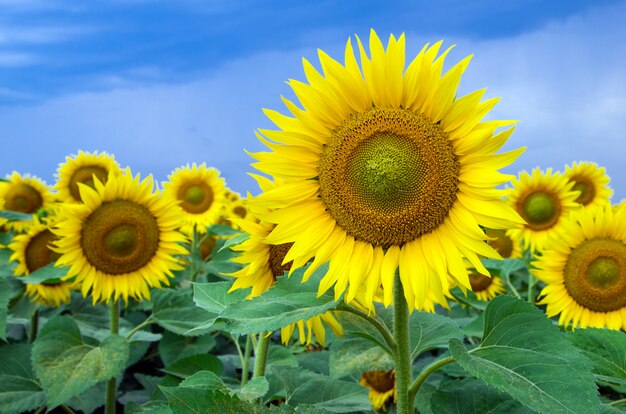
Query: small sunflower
(263,264)
(591,181)
(122,240)
(585,270)
(544,200)
(382,387)
(200,192)
(82,168)
(25,194)
(502,242)
(386,169)
(32,251)
(486,288)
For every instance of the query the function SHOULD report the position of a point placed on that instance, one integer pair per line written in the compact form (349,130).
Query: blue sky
(161,84)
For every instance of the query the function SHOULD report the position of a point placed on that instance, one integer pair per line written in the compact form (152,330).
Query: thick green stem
(512,288)
(245,366)
(260,354)
(34,326)
(415,386)
(402,356)
(112,384)
(531,289)
(194,249)
(376,323)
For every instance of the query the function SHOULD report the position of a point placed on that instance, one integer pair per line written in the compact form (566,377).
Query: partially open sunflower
(122,240)
(82,168)
(544,200)
(382,387)
(33,251)
(25,194)
(585,270)
(386,169)
(486,288)
(591,181)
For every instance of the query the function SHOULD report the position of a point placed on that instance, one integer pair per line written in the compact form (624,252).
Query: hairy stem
(260,354)
(112,384)
(402,356)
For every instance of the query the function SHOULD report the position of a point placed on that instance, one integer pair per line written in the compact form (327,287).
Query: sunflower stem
(531,289)
(139,327)
(111,389)
(421,378)
(512,288)
(402,354)
(194,247)
(376,323)
(245,367)
(34,326)
(260,354)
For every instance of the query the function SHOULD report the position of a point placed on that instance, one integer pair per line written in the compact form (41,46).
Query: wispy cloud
(17,59)
(14,35)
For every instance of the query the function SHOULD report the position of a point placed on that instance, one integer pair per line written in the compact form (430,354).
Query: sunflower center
(38,253)
(85,175)
(240,211)
(500,242)
(586,188)
(206,247)
(388,176)
(381,381)
(119,237)
(541,210)
(595,274)
(23,198)
(479,282)
(277,254)
(195,198)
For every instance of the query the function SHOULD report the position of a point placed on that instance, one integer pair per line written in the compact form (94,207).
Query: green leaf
(505,266)
(320,391)
(214,297)
(235,240)
(175,311)
(195,400)
(288,301)
(471,396)
(429,331)
(354,356)
(5,297)
(606,349)
(67,366)
(354,325)
(47,274)
(174,347)
(254,389)
(19,389)
(205,379)
(15,215)
(526,356)
(89,400)
(222,230)
(151,407)
(185,367)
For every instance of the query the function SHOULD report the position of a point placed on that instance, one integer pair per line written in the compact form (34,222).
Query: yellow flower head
(592,183)
(585,270)
(544,200)
(200,192)
(82,168)
(33,251)
(386,169)
(382,387)
(502,242)
(486,288)
(121,240)
(25,194)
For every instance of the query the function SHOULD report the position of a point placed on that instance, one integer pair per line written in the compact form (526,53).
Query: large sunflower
(592,182)
(122,240)
(544,200)
(82,168)
(200,191)
(384,169)
(585,270)
(25,194)
(263,264)
(32,251)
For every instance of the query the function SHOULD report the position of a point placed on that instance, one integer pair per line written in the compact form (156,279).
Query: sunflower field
(385,264)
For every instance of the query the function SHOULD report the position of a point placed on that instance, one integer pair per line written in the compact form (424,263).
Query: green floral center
(195,197)
(595,274)
(84,175)
(541,210)
(23,198)
(120,236)
(388,176)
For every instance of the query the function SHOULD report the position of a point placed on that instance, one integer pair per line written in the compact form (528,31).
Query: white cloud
(17,59)
(565,83)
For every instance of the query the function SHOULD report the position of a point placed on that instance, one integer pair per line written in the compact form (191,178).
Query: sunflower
(25,194)
(384,169)
(381,385)
(592,182)
(585,270)
(620,206)
(200,191)
(32,251)
(263,264)
(486,288)
(122,240)
(82,168)
(502,242)
(544,200)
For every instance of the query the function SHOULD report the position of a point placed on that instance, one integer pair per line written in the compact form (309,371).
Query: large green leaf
(46,274)
(5,297)
(176,311)
(214,298)
(288,301)
(197,400)
(526,356)
(174,347)
(15,215)
(68,366)
(19,389)
(606,349)
(354,356)
(188,366)
(429,330)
